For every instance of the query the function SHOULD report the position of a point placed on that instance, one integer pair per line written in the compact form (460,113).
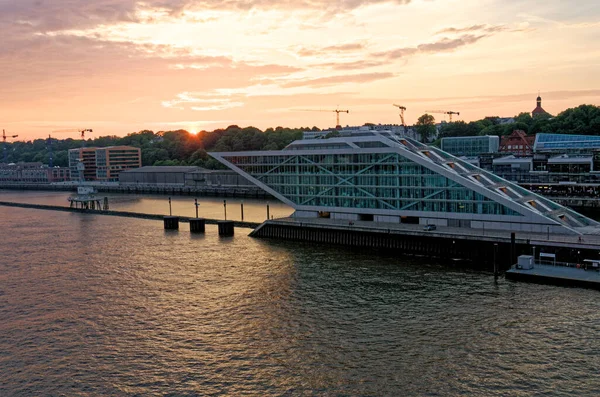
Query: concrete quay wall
(448,243)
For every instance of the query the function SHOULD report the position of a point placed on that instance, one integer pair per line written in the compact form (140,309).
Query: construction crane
(49,144)
(337,111)
(402,110)
(81,131)
(4,137)
(450,113)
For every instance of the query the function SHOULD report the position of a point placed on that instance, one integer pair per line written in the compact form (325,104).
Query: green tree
(426,127)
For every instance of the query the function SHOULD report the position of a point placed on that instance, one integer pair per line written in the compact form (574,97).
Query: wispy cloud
(355,65)
(340,79)
(485,29)
(331,50)
(442,45)
(66,14)
(202,101)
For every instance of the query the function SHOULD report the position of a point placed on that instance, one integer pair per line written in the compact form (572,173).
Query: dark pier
(124,214)
(486,249)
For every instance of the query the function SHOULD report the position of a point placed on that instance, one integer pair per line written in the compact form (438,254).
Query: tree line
(581,120)
(182,148)
(162,148)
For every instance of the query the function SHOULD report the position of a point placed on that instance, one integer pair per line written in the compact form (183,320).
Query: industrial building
(155,175)
(188,176)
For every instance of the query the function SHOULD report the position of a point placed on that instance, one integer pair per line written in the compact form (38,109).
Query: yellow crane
(4,137)
(402,110)
(450,113)
(337,111)
(82,131)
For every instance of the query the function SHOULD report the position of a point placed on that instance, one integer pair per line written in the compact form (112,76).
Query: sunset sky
(119,66)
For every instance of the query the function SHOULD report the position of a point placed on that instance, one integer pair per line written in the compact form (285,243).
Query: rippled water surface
(93,305)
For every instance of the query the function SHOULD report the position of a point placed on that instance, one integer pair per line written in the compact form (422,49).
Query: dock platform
(557,275)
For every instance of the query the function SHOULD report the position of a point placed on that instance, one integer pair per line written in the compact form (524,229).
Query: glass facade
(471,145)
(565,142)
(385,181)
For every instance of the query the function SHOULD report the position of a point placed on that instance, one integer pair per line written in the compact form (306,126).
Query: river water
(93,305)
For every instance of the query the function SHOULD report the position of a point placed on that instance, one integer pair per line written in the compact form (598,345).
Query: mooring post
(225,208)
(268,215)
(242,205)
(170,210)
(495,264)
(196,204)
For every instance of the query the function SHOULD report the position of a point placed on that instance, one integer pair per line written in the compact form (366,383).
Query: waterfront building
(156,175)
(188,176)
(471,146)
(104,164)
(378,177)
(565,164)
(395,129)
(34,172)
(566,143)
(517,143)
(512,164)
(88,157)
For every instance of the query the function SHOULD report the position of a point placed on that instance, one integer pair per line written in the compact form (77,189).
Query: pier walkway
(247,225)
(482,247)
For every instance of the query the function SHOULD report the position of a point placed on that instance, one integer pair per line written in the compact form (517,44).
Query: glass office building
(471,146)
(382,178)
(566,143)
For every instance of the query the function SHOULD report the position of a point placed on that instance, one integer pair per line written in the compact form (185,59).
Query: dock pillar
(197,225)
(171,222)
(225,228)
(513,250)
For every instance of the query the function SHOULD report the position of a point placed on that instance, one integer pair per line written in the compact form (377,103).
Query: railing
(583,265)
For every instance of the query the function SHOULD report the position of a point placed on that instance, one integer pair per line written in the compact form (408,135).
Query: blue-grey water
(93,305)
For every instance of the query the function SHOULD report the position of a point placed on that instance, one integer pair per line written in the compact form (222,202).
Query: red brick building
(517,143)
